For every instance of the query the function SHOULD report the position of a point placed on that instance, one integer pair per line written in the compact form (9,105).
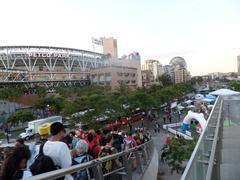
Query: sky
(206,33)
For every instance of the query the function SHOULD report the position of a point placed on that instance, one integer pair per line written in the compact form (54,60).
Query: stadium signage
(48,55)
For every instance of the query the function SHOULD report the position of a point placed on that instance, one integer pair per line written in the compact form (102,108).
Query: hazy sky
(206,33)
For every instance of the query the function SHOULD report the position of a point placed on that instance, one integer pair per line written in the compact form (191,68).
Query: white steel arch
(47,63)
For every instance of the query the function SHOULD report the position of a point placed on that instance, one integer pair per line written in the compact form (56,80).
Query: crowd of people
(63,150)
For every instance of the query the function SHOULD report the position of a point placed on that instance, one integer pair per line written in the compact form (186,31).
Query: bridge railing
(134,163)
(201,163)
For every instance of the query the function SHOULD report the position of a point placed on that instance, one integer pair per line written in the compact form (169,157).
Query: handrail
(190,162)
(214,146)
(96,164)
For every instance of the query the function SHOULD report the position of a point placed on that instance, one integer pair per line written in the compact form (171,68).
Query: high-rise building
(181,75)
(147,78)
(155,66)
(179,69)
(238,64)
(110,47)
(169,70)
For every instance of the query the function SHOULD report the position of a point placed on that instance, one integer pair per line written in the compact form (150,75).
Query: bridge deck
(230,146)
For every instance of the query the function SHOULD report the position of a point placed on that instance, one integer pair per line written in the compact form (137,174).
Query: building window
(126,74)
(133,81)
(133,74)
(119,73)
(101,78)
(120,81)
(108,78)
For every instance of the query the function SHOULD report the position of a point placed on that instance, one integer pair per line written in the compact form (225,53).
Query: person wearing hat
(57,150)
(43,131)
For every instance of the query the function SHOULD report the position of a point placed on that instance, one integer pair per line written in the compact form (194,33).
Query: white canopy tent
(224,92)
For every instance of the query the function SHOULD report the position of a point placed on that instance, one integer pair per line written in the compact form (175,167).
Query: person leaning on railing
(82,157)
(108,166)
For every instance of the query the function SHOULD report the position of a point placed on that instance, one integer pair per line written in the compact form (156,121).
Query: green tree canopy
(103,100)
(20,116)
(10,93)
(235,85)
(41,91)
(55,104)
(165,79)
(180,151)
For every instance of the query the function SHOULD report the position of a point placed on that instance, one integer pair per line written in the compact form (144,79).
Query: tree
(234,75)
(20,116)
(196,79)
(41,91)
(180,150)
(235,85)
(55,104)
(165,79)
(123,89)
(122,101)
(10,93)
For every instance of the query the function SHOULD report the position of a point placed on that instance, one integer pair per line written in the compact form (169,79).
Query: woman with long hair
(15,163)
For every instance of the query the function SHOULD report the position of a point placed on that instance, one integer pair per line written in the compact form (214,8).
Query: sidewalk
(164,172)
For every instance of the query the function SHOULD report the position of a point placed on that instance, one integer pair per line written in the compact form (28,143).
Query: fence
(201,163)
(134,163)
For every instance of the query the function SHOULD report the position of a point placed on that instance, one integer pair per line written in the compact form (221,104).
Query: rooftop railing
(201,165)
(134,163)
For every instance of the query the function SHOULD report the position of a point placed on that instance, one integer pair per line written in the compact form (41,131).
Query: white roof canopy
(224,92)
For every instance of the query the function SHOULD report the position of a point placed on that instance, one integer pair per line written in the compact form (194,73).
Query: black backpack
(42,163)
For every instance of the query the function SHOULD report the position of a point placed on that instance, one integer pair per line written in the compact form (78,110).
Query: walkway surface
(230,165)
(164,172)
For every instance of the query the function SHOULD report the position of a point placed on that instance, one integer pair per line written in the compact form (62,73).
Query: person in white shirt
(58,150)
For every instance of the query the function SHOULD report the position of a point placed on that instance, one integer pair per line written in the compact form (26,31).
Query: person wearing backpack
(110,165)
(82,157)
(53,154)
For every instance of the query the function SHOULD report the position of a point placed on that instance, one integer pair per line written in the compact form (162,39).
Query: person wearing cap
(43,131)
(57,150)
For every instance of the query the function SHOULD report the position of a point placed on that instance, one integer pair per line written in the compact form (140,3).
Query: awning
(224,92)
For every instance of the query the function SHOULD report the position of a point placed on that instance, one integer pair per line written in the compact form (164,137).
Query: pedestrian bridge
(217,155)
(140,162)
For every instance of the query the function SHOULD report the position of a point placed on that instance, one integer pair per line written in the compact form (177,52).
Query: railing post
(139,163)
(97,172)
(144,155)
(127,163)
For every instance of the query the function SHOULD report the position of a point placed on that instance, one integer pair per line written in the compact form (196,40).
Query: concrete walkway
(164,172)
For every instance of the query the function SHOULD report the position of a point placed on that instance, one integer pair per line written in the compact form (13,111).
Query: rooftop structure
(45,63)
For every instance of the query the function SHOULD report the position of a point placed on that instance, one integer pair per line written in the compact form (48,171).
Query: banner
(97,41)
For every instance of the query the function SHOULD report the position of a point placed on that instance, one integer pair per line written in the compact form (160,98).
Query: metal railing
(134,163)
(201,163)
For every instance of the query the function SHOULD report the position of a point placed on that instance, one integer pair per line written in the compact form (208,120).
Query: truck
(32,128)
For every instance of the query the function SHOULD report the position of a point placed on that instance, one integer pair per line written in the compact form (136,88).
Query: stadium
(43,63)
